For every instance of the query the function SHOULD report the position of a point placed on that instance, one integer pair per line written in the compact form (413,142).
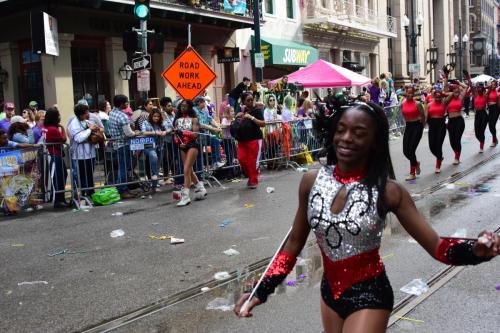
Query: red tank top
(436,110)
(455,105)
(492,96)
(428,98)
(410,110)
(479,102)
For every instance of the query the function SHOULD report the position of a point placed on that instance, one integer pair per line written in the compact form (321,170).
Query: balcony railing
(347,14)
(236,8)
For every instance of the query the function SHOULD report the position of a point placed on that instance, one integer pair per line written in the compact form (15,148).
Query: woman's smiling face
(354,137)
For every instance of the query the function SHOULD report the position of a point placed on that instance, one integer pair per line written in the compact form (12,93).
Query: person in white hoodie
(83,153)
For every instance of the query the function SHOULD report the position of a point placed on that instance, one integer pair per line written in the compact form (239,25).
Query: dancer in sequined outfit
(345,204)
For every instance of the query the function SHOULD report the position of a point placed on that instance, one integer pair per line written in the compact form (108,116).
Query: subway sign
(283,52)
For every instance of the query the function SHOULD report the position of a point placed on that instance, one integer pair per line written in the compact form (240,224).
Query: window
(269,7)
(289,9)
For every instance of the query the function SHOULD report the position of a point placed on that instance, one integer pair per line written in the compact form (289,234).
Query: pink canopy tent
(323,74)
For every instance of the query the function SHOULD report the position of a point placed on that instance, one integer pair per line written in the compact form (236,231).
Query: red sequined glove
(457,252)
(280,268)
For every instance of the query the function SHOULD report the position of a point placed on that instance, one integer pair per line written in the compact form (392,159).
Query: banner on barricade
(142,143)
(19,176)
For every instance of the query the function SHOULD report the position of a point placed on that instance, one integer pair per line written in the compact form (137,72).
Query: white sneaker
(200,192)
(155,177)
(185,200)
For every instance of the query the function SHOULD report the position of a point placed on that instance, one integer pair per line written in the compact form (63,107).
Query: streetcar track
(400,309)
(410,302)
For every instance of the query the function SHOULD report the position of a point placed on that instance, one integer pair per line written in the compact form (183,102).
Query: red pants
(248,151)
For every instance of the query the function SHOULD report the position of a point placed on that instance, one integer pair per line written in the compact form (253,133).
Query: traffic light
(142,10)
(156,42)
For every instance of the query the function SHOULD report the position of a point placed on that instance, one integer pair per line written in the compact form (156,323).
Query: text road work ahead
(189,71)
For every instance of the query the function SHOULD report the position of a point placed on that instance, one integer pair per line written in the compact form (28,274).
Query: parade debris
(411,240)
(450,186)
(260,238)
(483,189)
(220,303)
(117,214)
(30,283)
(221,275)
(415,287)
(231,252)
(174,240)
(225,223)
(160,237)
(8,292)
(301,169)
(270,190)
(205,289)
(248,205)
(460,233)
(497,287)
(64,252)
(17,245)
(117,233)
(291,283)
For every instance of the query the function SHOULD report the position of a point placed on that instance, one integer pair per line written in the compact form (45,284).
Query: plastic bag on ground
(220,303)
(221,275)
(231,252)
(117,233)
(415,287)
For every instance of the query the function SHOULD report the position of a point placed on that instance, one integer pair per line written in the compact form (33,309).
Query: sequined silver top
(356,229)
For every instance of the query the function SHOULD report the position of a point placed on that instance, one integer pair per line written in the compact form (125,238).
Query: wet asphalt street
(101,278)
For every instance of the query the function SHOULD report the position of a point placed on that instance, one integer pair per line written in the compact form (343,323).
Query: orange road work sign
(189,74)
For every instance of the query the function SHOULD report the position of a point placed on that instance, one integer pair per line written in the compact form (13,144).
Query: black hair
(244,95)
(165,100)
(18,128)
(119,100)
(379,162)
(80,109)
(245,79)
(52,117)
(191,112)
(102,105)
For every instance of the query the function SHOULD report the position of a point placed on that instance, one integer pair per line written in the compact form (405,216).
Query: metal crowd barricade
(282,142)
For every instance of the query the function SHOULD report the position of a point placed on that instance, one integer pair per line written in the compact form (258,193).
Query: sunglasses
(271,100)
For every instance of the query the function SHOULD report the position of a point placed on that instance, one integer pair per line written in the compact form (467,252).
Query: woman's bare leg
(188,160)
(332,323)
(367,320)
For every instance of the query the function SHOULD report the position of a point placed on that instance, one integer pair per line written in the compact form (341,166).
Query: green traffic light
(141,11)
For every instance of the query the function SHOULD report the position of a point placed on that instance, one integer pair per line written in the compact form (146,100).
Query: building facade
(91,49)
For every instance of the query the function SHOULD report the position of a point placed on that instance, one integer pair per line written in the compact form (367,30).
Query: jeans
(152,155)
(58,174)
(83,175)
(124,165)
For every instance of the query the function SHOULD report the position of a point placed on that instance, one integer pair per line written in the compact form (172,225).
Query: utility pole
(256,29)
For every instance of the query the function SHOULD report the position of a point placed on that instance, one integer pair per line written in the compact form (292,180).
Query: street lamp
(411,34)
(433,57)
(460,48)
(125,71)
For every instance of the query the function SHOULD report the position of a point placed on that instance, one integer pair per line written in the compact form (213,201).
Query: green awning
(287,52)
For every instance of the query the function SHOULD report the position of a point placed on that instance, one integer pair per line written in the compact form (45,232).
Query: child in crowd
(227,141)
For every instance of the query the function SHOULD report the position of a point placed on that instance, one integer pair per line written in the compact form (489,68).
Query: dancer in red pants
(249,135)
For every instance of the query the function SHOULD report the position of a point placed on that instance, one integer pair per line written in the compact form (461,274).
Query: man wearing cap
(9,110)
(33,105)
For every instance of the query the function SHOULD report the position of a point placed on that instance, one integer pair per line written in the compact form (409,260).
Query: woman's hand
(248,311)
(239,115)
(487,245)
(248,116)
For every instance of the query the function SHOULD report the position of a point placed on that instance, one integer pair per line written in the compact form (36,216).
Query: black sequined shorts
(374,293)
